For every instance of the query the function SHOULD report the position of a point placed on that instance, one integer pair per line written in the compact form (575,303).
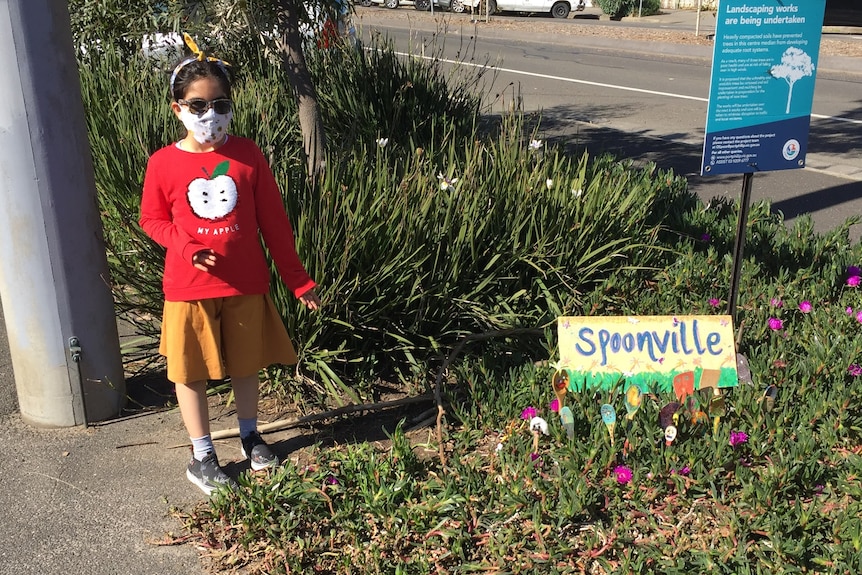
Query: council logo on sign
(790,150)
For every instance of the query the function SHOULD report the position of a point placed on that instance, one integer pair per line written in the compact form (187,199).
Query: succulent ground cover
(774,488)
(426,229)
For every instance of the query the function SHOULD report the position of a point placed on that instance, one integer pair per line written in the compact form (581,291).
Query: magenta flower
(853,281)
(775,302)
(534,456)
(855,370)
(685,470)
(554,405)
(714,302)
(738,438)
(529,413)
(705,238)
(805,306)
(332,480)
(623,474)
(849,310)
(859,316)
(775,324)
(853,271)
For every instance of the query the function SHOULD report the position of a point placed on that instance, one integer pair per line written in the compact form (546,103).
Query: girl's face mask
(207,129)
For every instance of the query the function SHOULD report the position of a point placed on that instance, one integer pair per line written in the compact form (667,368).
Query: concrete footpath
(97,500)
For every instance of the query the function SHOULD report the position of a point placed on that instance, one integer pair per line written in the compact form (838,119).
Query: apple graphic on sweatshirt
(213,197)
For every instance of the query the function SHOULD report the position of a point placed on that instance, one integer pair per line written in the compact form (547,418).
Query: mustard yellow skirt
(219,337)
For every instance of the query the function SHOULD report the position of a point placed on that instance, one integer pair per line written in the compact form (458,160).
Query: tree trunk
(293,62)
(789,97)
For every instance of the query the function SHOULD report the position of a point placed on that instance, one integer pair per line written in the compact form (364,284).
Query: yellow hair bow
(199,56)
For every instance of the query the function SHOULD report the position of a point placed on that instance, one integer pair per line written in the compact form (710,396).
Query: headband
(199,56)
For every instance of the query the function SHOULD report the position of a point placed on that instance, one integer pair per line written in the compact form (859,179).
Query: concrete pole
(54,281)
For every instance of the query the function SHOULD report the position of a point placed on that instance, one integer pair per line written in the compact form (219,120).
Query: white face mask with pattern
(208,128)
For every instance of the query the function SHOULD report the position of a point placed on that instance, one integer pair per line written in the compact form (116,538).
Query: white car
(459,5)
(557,8)
(423,5)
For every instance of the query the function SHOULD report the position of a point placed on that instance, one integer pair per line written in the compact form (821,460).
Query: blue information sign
(763,70)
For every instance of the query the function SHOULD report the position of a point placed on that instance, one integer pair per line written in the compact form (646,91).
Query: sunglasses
(199,106)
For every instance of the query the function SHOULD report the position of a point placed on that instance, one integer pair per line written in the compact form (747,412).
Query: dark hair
(197,69)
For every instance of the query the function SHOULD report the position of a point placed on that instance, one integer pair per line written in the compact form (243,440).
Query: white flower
(539,424)
(382,142)
(535,145)
(446,183)
(577,193)
(499,447)
(549,183)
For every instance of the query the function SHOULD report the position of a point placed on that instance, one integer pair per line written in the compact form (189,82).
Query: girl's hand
(310,299)
(204,260)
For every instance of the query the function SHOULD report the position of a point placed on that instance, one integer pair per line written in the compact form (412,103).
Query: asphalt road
(648,103)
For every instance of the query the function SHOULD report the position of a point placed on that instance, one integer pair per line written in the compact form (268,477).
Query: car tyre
(492,7)
(422,5)
(560,10)
(391,4)
(457,6)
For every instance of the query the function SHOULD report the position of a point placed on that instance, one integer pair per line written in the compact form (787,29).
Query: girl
(205,199)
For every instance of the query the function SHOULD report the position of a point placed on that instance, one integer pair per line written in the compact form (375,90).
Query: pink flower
(805,306)
(853,281)
(623,474)
(775,324)
(529,413)
(849,310)
(738,438)
(859,316)
(554,405)
(714,302)
(855,370)
(775,302)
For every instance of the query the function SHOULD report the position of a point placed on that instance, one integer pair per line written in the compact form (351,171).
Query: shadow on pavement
(568,126)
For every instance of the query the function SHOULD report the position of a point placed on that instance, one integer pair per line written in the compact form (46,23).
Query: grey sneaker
(208,474)
(258,452)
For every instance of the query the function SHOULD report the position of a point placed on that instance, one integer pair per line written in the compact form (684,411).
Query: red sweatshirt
(219,200)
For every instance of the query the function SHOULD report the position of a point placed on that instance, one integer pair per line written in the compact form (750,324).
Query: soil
(153,392)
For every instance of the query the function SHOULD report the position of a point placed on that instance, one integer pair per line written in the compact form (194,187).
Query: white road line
(599,84)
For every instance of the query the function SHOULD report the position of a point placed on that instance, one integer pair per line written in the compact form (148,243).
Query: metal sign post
(739,242)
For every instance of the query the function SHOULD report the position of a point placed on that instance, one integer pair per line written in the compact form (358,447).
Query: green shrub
(406,267)
(620,8)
